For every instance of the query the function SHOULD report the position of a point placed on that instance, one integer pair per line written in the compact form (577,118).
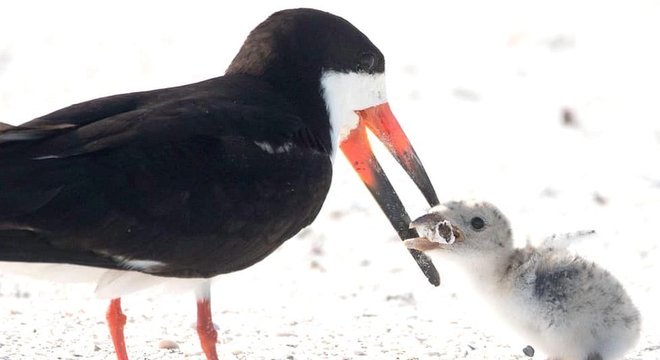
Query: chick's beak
(380,120)
(421,244)
(424,244)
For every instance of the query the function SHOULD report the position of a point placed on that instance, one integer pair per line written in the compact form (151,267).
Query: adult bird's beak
(380,120)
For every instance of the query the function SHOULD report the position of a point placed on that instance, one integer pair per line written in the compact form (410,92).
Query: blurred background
(548,109)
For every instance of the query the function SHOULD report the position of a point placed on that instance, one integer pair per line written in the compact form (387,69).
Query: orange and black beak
(380,120)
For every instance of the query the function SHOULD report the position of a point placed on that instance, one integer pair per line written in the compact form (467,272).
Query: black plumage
(171,175)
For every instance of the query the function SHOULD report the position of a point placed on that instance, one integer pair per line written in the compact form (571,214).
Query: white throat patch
(345,93)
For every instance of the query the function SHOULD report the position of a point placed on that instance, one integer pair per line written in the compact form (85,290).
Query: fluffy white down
(345,93)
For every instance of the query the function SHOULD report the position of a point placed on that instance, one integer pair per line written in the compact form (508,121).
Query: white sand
(478,86)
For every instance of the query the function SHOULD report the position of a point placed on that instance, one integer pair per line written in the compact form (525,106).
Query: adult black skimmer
(207,178)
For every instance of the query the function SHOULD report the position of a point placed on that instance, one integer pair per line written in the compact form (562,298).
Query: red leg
(116,321)
(207,334)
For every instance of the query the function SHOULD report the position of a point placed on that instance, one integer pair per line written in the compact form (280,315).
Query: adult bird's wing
(225,106)
(163,164)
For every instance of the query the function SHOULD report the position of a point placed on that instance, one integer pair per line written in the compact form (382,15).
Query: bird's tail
(26,245)
(4,127)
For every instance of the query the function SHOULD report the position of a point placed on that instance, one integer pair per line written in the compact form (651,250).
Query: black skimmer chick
(569,307)
(208,178)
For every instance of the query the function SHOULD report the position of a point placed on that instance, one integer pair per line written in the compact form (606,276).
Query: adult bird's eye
(367,62)
(477,223)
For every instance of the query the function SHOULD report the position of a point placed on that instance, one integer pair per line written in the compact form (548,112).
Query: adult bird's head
(334,77)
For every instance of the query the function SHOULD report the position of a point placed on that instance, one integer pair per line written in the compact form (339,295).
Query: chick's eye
(366,62)
(477,223)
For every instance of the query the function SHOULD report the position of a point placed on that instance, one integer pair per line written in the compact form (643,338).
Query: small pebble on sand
(168,344)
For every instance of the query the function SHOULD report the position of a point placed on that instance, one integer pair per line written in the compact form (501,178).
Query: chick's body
(565,305)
